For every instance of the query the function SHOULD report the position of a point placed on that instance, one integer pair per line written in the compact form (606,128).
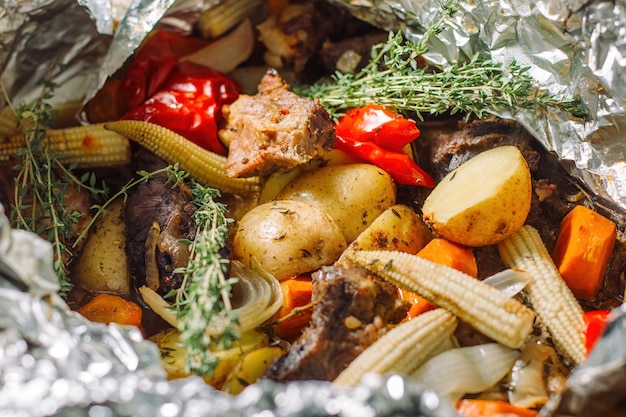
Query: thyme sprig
(42,183)
(392,77)
(202,304)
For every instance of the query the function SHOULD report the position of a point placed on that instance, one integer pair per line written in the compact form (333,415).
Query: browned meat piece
(274,130)
(154,209)
(350,55)
(350,312)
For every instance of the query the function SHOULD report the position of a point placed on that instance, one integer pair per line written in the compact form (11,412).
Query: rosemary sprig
(202,303)
(478,87)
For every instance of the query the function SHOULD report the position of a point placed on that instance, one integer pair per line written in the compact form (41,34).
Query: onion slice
(259,298)
(226,53)
(510,281)
(466,370)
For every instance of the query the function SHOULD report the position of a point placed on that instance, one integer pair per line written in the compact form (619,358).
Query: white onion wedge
(510,281)
(466,370)
(226,53)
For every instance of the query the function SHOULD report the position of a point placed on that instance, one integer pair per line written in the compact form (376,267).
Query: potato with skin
(353,195)
(397,228)
(483,201)
(288,238)
(101,266)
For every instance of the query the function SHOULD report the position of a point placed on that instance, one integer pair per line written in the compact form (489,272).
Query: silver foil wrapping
(53,362)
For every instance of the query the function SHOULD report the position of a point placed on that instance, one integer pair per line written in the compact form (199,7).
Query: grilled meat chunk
(274,130)
(351,310)
(157,218)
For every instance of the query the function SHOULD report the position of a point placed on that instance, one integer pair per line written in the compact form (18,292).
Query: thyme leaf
(202,304)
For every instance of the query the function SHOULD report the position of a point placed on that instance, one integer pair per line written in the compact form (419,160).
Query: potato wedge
(101,266)
(397,228)
(287,238)
(483,201)
(353,195)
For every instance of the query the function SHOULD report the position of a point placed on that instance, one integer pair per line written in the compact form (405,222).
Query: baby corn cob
(89,146)
(403,349)
(497,316)
(225,15)
(550,297)
(8,123)
(205,166)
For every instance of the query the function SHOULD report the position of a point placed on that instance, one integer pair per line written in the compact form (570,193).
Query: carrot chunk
(445,253)
(488,408)
(583,249)
(297,294)
(107,308)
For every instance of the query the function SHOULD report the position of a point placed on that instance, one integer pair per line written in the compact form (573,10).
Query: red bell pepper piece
(595,323)
(397,164)
(374,123)
(153,63)
(189,103)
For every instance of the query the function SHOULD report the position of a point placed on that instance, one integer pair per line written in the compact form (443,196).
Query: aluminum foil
(53,362)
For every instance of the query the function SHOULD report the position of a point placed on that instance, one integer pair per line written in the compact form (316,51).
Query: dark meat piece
(350,312)
(350,55)
(164,213)
(274,130)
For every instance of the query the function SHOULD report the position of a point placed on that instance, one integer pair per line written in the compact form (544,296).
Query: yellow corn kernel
(8,123)
(549,295)
(403,349)
(90,146)
(205,166)
(489,311)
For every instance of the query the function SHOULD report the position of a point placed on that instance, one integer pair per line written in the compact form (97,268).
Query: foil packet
(54,362)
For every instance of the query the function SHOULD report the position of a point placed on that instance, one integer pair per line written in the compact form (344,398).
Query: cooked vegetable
(109,308)
(339,191)
(484,200)
(449,254)
(251,368)
(595,323)
(189,103)
(287,238)
(376,135)
(226,53)
(294,314)
(88,146)
(549,295)
(583,249)
(8,123)
(444,253)
(466,370)
(491,408)
(402,349)
(101,265)
(492,313)
(399,227)
(205,166)
(174,354)
(225,15)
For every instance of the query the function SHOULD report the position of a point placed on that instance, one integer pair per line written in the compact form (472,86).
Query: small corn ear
(497,316)
(205,166)
(8,123)
(403,349)
(549,295)
(90,146)
(225,15)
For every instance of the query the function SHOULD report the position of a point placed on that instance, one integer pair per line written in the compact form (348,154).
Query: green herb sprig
(202,304)
(393,78)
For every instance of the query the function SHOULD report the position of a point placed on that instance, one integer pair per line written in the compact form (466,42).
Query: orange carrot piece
(297,293)
(446,253)
(450,254)
(583,249)
(489,408)
(107,308)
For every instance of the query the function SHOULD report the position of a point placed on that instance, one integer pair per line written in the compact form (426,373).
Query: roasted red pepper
(397,164)
(153,64)
(374,123)
(190,103)
(376,135)
(595,323)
